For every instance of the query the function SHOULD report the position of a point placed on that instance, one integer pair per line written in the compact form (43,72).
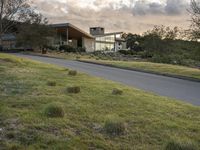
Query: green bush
(81,49)
(67,48)
(74,90)
(51,47)
(127,52)
(173,145)
(54,110)
(72,73)
(114,126)
(51,83)
(117,92)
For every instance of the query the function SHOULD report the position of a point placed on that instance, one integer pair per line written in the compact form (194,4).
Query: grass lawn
(28,88)
(155,67)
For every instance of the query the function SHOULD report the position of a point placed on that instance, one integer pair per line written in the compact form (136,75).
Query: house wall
(89,44)
(8,44)
(73,43)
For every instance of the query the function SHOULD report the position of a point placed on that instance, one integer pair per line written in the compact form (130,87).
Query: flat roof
(62,25)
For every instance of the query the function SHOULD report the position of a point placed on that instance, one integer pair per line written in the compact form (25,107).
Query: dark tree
(195,18)
(13,12)
(35,35)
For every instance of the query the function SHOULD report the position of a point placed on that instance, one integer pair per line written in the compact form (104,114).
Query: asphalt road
(184,90)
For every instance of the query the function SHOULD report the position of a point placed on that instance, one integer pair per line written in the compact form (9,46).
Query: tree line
(169,44)
(26,22)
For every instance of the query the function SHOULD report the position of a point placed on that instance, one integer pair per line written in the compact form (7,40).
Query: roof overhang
(73,31)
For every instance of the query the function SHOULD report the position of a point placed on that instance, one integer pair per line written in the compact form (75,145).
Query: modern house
(107,41)
(97,40)
(68,34)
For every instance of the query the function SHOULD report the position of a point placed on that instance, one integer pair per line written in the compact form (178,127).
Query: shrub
(81,49)
(67,48)
(114,126)
(44,51)
(75,89)
(117,92)
(173,145)
(72,73)
(49,47)
(54,110)
(51,83)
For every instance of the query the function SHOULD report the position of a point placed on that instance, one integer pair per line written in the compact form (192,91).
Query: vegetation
(180,145)
(165,45)
(114,126)
(195,26)
(51,83)
(154,67)
(35,35)
(70,49)
(150,120)
(72,72)
(54,110)
(117,92)
(14,11)
(74,89)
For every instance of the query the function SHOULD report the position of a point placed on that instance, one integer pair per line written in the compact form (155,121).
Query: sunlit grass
(155,67)
(150,120)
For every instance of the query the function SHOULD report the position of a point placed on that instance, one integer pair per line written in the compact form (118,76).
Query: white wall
(89,44)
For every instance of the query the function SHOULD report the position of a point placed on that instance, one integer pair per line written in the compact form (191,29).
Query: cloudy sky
(134,16)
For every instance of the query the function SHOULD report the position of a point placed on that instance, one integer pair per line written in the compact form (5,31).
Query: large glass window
(108,38)
(104,46)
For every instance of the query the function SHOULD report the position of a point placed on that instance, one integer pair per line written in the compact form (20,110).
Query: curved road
(184,90)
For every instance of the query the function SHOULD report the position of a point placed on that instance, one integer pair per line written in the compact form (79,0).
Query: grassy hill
(41,108)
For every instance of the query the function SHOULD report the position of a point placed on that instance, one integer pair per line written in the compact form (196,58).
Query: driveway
(184,90)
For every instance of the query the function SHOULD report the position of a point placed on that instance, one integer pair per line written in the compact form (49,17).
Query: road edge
(143,71)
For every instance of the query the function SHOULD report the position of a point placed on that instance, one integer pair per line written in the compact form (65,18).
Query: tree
(13,12)
(133,41)
(195,19)
(164,33)
(35,35)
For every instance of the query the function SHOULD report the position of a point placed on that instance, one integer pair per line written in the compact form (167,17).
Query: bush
(44,51)
(72,73)
(51,47)
(172,145)
(51,83)
(114,126)
(54,110)
(81,49)
(127,52)
(117,92)
(67,48)
(74,90)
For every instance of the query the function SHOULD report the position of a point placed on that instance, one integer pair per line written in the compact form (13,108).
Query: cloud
(176,7)
(134,16)
(171,7)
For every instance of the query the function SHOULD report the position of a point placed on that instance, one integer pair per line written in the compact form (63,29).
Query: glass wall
(108,38)
(104,46)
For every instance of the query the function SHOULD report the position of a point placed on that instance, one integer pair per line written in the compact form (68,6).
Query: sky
(134,16)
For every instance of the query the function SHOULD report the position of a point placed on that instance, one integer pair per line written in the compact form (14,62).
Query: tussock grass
(180,145)
(54,110)
(150,120)
(117,92)
(72,72)
(74,89)
(51,83)
(114,126)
